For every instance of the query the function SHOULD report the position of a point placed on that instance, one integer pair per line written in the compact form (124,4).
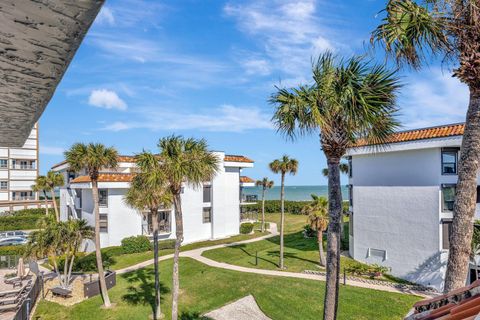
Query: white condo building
(401,201)
(18,171)
(210,212)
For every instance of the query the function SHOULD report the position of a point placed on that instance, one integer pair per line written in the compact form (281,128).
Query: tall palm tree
(184,162)
(40,186)
(53,180)
(412,33)
(343,167)
(266,184)
(317,212)
(149,191)
(283,166)
(348,100)
(93,157)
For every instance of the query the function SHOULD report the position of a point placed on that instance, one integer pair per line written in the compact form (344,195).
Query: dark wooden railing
(28,303)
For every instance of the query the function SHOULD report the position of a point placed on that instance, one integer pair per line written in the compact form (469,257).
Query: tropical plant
(53,180)
(93,157)
(54,239)
(185,162)
(412,32)
(348,100)
(343,167)
(317,212)
(39,186)
(266,184)
(283,166)
(149,192)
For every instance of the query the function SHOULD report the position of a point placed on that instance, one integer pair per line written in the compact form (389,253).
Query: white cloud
(107,99)
(49,150)
(257,67)
(290,32)
(105,16)
(226,118)
(433,98)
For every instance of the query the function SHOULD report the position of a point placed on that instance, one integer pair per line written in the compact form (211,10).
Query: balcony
(19,166)
(23,198)
(248,199)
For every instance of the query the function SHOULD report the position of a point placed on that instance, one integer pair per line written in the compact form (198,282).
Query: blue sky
(147,69)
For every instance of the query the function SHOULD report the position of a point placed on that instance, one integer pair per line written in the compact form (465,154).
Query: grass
(127,260)
(205,288)
(300,253)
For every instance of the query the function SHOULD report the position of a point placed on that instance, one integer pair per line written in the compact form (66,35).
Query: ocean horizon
(294,193)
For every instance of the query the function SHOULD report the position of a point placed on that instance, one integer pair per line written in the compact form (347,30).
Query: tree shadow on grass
(193,316)
(142,290)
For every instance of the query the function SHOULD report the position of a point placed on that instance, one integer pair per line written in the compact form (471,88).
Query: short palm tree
(348,100)
(343,167)
(413,31)
(93,157)
(185,162)
(266,184)
(53,180)
(317,212)
(149,192)
(40,186)
(283,166)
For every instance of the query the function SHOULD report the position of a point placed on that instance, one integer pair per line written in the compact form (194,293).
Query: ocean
(295,193)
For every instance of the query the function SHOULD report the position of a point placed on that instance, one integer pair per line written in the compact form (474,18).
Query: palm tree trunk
(46,202)
(263,210)
(465,201)
(65,270)
(320,247)
(178,242)
(69,275)
(98,252)
(333,239)
(282,219)
(54,200)
(157,311)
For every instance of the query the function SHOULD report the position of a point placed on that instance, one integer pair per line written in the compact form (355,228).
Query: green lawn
(205,288)
(126,260)
(300,253)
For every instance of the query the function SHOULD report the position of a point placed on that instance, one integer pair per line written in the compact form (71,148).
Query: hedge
(20,222)
(246,228)
(136,244)
(292,207)
(18,250)
(88,262)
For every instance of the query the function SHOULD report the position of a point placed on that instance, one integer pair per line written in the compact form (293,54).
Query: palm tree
(265,183)
(317,212)
(411,33)
(53,180)
(184,162)
(348,100)
(40,186)
(92,157)
(149,191)
(343,167)
(283,166)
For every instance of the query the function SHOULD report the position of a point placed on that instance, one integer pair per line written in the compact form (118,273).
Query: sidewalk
(196,254)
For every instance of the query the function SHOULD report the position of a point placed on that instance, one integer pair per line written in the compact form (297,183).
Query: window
(207,193)
(207,215)
(103,197)
(71,175)
(3,185)
(23,164)
(3,163)
(79,197)
(103,223)
(350,170)
(446,231)
(449,161)
(448,197)
(23,195)
(350,195)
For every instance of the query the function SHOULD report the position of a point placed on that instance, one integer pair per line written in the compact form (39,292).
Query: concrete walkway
(196,254)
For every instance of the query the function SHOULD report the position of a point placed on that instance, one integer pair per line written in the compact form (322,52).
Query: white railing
(72,194)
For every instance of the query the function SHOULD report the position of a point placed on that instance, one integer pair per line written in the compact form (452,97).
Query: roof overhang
(453,141)
(237,164)
(39,39)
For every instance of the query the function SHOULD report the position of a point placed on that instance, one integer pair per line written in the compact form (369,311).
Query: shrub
(12,250)
(246,228)
(35,211)
(344,241)
(136,244)
(20,222)
(88,262)
(166,244)
(308,231)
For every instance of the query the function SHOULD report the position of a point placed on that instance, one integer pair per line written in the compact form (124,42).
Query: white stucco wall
(403,221)
(226,203)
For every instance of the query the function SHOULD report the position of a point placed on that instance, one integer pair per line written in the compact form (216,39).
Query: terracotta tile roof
(236,158)
(460,304)
(448,130)
(245,179)
(106,177)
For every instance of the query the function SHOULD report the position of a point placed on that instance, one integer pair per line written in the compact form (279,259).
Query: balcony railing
(249,198)
(23,198)
(23,167)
